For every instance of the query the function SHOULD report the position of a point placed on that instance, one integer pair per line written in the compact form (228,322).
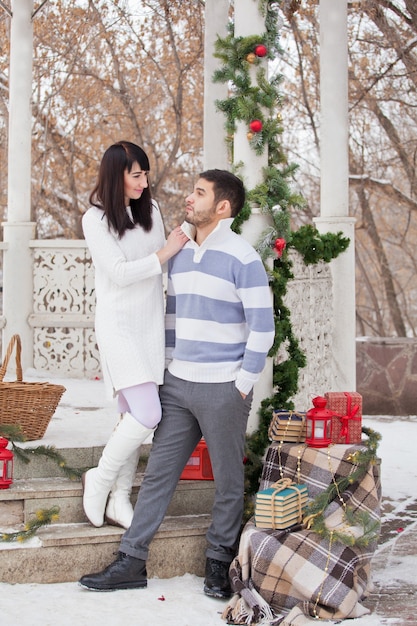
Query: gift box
(288,426)
(198,465)
(280,506)
(347,421)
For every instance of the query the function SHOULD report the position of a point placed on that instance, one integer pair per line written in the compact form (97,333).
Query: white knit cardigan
(129,319)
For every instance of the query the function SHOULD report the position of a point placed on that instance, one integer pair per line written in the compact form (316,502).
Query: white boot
(119,509)
(126,438)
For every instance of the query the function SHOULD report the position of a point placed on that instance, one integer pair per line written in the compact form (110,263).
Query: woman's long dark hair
(108,194)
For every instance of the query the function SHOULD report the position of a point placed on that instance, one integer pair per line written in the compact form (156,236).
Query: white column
(249,21)
(215,148)
(334,209)
(18,230)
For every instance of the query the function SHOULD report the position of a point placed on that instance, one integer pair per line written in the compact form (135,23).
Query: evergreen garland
(260,101)
(314,515)
(50,452)
(14,434)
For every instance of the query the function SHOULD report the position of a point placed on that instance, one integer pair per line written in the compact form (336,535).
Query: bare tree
(105,71)
(382,147)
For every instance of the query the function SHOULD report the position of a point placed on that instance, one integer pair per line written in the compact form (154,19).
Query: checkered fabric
(290,578)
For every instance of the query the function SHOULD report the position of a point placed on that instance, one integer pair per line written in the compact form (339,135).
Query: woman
(125,234)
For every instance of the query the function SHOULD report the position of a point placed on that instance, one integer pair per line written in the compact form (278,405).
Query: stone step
(71,547)
(24,497)
(65,552)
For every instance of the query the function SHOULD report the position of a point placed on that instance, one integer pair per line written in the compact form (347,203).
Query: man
(219,329)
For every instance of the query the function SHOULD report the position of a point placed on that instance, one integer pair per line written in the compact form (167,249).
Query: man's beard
(199,220)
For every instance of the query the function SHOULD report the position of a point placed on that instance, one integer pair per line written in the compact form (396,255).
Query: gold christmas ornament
(249,136)
(251,57)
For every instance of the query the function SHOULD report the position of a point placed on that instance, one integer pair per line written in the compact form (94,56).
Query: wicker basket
(28,405)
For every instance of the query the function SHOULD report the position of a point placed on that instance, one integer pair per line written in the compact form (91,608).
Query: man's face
(200,206)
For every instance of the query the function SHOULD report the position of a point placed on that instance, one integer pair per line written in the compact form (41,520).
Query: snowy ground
(180,601)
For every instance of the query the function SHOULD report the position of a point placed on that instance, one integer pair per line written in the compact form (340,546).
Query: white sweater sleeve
(109,258)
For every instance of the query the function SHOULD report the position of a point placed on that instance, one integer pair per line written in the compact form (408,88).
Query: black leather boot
(217,582)
(125,572)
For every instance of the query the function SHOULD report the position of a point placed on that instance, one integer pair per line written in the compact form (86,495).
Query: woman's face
(135,182)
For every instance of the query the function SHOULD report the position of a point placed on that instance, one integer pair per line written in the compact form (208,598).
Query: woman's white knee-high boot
(119,509)
(126,438)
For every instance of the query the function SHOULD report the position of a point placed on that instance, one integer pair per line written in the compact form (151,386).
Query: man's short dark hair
(226,186)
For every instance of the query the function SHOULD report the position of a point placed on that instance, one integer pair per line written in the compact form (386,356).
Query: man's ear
(224,209)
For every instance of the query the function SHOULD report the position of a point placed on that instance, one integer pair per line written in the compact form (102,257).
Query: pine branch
(43,517)
(50,452)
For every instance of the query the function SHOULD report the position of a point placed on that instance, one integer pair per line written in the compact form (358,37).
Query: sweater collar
(218,234)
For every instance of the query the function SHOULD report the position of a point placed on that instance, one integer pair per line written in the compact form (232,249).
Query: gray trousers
(190,410)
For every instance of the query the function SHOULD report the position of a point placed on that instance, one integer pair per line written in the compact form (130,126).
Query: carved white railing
(63,309)
(309,298)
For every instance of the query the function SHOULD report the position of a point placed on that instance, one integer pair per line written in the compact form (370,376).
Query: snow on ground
(180,601)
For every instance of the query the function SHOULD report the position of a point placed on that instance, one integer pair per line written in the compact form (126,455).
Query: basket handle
(14,340)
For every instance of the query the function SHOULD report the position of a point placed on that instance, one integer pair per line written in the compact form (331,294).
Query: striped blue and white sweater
(219,316)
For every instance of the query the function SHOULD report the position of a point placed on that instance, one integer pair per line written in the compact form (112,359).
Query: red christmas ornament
(279,246)
(255,126)
(261,50)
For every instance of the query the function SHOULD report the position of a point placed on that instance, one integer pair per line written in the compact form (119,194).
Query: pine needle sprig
(26,454)
(354,520)
(41,518)
(12,432)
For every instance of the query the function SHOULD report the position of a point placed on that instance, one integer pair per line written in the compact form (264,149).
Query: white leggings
(142,402)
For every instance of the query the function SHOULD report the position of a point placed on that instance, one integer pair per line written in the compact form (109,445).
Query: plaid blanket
(291,577)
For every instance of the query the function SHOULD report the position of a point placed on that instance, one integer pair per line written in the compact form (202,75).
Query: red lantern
(255,126)
(319,424)
(6,465)
(261,50)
